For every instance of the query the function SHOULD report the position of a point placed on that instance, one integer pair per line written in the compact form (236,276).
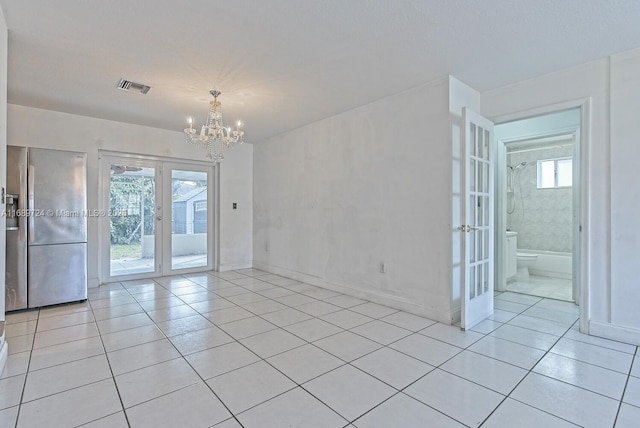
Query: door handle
(159,218)
(31,207)
(467,228)
(22,228)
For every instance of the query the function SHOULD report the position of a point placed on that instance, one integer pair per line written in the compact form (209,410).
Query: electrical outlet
(383,269)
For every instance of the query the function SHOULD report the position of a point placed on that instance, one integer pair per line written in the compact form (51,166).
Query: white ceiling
(281,64)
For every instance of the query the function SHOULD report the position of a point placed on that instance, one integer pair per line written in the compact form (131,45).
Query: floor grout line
(624,390)
(520,382)
(26,374)
(113,378)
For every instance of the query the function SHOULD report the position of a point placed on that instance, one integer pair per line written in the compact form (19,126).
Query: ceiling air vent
(129,86)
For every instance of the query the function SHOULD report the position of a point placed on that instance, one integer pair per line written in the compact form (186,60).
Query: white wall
(334,199)
(625,190)
(4,42)
(55,130)
(610,152)
(236,226)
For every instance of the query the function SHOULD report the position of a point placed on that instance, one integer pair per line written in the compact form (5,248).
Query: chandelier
(214,136)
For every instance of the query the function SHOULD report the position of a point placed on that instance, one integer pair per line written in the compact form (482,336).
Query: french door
(187,228)
(158,217)
(477,229)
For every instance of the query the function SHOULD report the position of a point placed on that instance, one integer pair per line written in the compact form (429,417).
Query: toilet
(524,262)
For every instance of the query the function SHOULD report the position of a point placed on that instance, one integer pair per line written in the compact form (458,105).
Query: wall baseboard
(93,282)
(456,315)
(373,296)
(226,267)
(614,332)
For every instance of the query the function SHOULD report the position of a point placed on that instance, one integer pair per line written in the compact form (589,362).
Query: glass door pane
(189,219)
(132,204)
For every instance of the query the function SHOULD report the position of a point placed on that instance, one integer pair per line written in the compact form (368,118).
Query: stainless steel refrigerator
(46,227)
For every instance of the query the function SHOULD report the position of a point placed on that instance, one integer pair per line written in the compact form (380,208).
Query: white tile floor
(252,349)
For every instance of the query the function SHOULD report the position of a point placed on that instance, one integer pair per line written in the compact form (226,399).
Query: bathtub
(551,263)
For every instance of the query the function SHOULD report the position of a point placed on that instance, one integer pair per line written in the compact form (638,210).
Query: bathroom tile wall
(542,217)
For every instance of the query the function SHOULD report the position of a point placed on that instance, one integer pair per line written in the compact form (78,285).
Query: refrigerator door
(16,246)
(16,273)
(57,194)
(57,274)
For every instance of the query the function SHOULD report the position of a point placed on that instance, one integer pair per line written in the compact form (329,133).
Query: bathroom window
(554,173)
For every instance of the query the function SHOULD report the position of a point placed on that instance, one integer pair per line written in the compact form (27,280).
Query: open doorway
(538,205)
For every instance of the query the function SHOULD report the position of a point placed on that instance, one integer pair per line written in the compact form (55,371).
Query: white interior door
(477,219)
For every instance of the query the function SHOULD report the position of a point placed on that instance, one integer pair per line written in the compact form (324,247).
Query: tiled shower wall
(542,217)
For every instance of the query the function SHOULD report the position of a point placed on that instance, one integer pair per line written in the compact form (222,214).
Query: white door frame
(104,202)
(581,228)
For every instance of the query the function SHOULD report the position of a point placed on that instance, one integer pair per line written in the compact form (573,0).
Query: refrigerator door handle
(30,216)
(22,229)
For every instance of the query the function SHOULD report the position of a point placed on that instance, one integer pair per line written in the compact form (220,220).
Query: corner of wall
(624,93)
(460,95)
(4,46)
